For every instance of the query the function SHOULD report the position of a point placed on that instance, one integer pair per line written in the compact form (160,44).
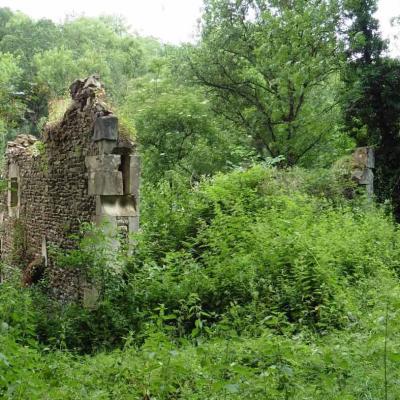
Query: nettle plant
(98,257)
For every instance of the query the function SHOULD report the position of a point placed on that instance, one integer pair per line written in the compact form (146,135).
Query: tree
(176,129)
(56,69)
(104,46)
(269,67)
(372,96)
(52,55)
(364,48)
(24,38)
(5,15)
(11,108)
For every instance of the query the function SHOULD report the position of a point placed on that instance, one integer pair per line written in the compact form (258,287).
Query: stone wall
(363,168)
(81,170)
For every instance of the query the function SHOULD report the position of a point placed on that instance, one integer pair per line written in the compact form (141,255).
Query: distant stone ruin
(83,169)
(363,168)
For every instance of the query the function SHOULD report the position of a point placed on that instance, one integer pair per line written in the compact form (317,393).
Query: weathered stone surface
(90,297)
(21,145)
(106,128)
(13,170)
(103,162)
(117,206)
(133,224)
(106,146)
(367,177)
(134,176)
(363,165)
(363,157)
(107,183)
(61,184)
(44,252)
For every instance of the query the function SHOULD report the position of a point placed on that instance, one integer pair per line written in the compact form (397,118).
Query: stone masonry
(363,168)
(82,170)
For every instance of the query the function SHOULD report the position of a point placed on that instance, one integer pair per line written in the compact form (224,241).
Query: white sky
(172,21)
(388,9)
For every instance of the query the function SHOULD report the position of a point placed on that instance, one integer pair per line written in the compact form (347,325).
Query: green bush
(261,242)
(18,315)
(256,284)
(346,364)
(253,249)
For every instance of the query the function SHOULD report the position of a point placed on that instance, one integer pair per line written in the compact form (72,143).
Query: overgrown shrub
(256,284)
(17,312)
(253,249)
(347,364)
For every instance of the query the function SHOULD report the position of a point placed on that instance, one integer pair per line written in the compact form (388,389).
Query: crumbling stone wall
(363,168)
(82,170)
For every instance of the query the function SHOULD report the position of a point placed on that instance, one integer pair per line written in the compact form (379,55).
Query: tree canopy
(267,66)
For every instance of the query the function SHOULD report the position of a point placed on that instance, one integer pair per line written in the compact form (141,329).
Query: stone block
(105,183)
(106,128)
(133,224)
(108,223)
(134,176)
(106,146)
(116,206)
(370,158)
(103,162)
(367,177)
(13,171)
(130,167)
(44,251)
(363,157)
(363,165)
(109,227)
(90,297)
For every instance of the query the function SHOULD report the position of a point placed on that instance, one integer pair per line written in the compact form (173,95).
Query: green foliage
(11,108)
(55,68)
(371,100)
(177,133)
(176,128)
(254,249)
(260,283)
(51,56)
(98,265)
(247,279)
(346,364)
(17,315)
(19,251)
(249,242)
(269,66)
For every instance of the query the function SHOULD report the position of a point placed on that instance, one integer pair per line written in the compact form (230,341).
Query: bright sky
(388,9)
(172,21)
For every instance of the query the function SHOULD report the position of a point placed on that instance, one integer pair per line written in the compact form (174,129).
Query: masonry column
(364,164)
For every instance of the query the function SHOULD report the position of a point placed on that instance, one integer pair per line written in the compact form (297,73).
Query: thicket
(258,283)
(245,243)
(260,271)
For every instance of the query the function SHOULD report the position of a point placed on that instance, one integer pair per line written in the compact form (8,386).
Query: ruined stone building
(82,169)
(363,168)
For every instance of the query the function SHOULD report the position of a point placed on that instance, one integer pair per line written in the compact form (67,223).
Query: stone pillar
(363,166)
(113,179)
(106,133)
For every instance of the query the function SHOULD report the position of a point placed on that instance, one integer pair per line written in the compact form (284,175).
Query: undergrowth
(260,284)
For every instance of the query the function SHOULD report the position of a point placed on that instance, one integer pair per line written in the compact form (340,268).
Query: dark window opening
(14,192)
(34,272)
(125,169)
